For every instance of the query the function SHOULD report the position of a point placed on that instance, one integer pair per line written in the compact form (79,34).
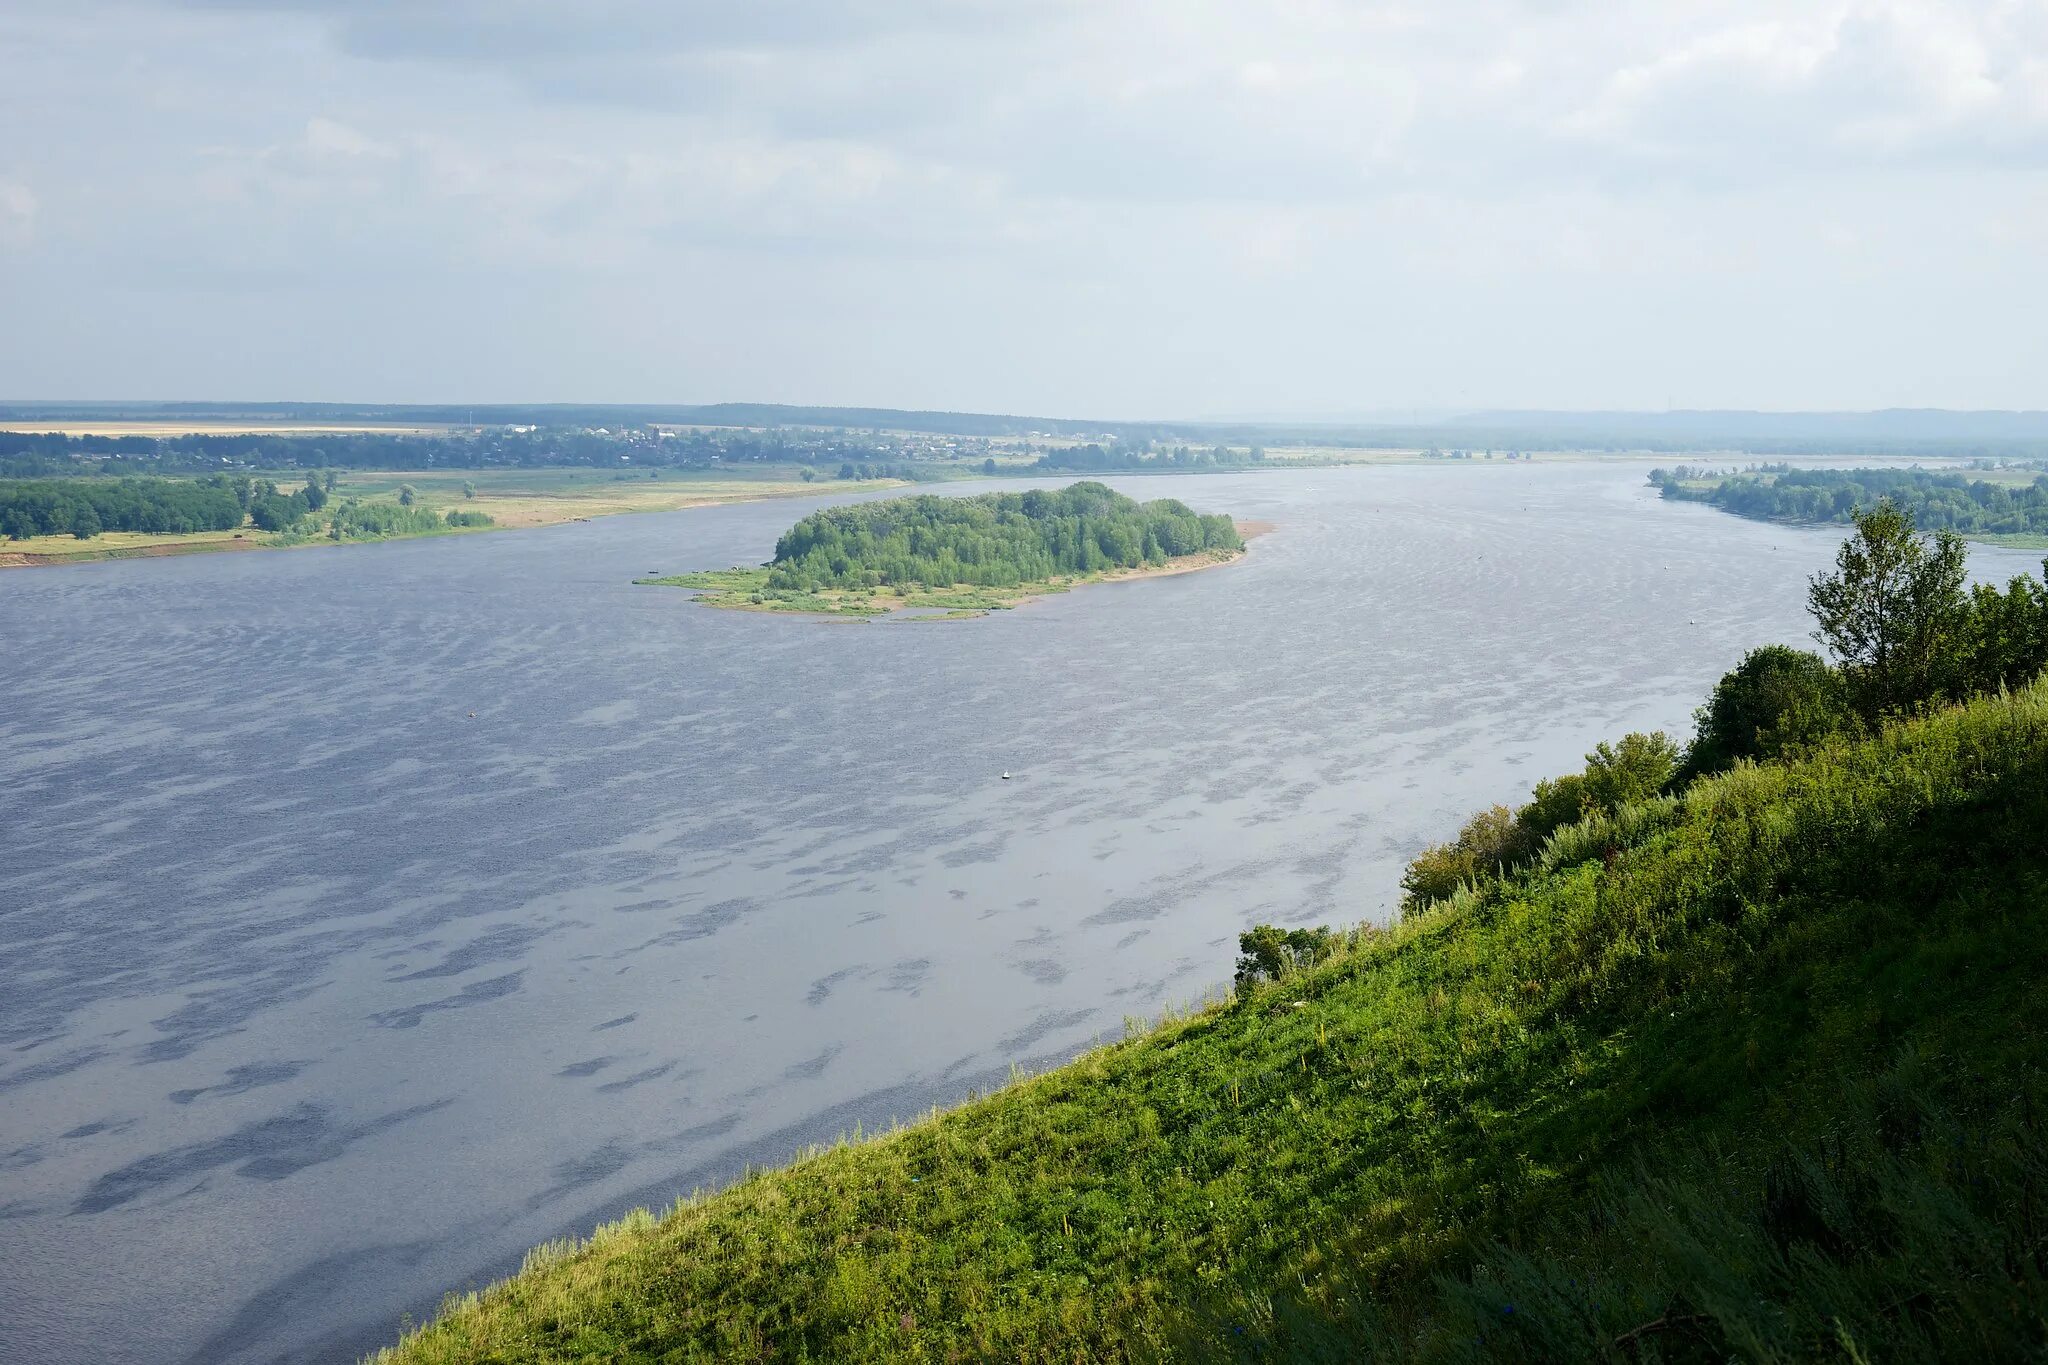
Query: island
(2004,504)
(936,558)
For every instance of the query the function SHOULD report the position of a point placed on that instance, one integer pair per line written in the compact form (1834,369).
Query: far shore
(518,499)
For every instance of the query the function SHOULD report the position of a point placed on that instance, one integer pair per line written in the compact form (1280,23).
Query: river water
(370,914)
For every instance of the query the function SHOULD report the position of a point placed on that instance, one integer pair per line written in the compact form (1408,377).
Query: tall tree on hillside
(1891,611)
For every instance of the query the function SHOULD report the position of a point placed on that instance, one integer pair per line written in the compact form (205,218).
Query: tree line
(998,540)
(1141,457)
(84,508)
(1903,636)
(1937,501)
(28,454)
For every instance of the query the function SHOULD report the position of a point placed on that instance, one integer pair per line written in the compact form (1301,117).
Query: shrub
(1267,953)
(1635,769)
(1777,699)
(1489,842)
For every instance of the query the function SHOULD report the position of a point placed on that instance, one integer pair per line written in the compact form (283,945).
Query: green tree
(1489,842)
(407,494)
(316,492)
(1776,698)
(1891,611)
(329,479)
(2005,635)
(468,489)
(1267,953)
(1635,769)
(85,522)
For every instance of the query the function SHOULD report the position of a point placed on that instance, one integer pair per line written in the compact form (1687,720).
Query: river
(369,914)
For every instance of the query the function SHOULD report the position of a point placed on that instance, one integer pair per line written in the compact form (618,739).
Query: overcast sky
(1118,208)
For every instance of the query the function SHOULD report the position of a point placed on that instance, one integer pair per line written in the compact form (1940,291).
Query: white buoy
(1006,774)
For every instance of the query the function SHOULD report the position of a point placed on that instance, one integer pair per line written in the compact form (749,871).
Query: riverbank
(1969,502)
(514,499)
(747,589)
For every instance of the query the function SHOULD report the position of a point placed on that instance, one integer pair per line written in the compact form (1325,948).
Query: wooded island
(966,556)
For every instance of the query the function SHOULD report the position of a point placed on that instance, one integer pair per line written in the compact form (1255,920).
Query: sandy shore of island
(1247,531)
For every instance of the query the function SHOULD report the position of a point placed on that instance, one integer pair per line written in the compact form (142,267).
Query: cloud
(17,214)
(845,181)
(519,32)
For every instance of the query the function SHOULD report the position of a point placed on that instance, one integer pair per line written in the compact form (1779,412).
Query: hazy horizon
(1029,206)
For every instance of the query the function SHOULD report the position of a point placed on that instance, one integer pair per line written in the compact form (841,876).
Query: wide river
(370,914)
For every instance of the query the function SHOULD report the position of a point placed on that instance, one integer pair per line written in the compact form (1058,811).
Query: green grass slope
(1753,1073)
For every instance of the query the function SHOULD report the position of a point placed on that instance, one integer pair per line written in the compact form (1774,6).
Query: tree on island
(997,540)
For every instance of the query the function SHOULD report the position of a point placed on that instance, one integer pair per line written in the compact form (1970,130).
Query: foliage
(1893,611)
(1636,768)
(85,507)
(1617,776)
(1141,458)
(2002,640)
(1489,843)
(1650,1072)
(363,520)
(220,502)
(1776,699)
(270,510)
(998,540)
(1938,502)
(1268,953)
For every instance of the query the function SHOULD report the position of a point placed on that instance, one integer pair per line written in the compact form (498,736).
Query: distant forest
(1894,432)
(997,540)
(48,454)
(1139,459)
(84,508)
(1937,501)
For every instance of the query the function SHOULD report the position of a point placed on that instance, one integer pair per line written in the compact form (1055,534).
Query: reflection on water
(370,914)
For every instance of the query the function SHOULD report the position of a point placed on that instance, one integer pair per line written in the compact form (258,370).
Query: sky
(1113,208)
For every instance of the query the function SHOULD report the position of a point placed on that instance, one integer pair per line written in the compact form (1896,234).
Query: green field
(1754,1072)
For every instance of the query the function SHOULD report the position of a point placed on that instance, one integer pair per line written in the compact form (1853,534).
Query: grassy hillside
(1753,1072)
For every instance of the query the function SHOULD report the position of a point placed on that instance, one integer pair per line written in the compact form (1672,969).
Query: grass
(743,589)
(1755,1075)
(130,545)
